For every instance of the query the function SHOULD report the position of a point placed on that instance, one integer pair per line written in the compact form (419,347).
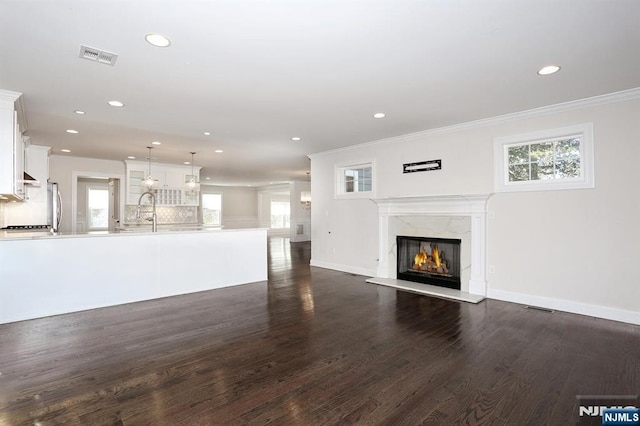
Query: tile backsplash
(166,214)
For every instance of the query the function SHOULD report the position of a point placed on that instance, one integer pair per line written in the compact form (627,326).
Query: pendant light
(192,185)
(149,181)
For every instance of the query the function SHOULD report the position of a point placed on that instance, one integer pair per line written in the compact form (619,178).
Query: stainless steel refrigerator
(54,207)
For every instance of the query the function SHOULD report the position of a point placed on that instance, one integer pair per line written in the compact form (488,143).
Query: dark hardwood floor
(311,346)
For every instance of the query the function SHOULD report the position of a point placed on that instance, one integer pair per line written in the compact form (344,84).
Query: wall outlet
(492,269)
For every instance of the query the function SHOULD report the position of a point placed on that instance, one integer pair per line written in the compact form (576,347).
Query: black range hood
(29,180)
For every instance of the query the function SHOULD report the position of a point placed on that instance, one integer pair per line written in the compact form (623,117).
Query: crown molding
(9,96)
(609,98)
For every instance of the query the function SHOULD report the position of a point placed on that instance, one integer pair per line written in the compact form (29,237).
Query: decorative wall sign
(422,166)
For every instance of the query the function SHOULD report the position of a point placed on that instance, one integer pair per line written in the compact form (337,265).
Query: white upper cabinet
(13,124)
(169,187)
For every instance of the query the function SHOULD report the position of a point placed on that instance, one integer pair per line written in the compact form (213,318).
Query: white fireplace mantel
(473,206)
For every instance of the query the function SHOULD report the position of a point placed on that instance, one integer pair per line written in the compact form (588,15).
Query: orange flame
(420,258)
(435,253)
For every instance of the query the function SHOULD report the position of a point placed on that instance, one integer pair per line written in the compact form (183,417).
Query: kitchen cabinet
(133,185)
(12,125)
(34,208)
(169,187)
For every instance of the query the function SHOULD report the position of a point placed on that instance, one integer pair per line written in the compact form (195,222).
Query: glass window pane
(349,181)
(280,214)
(212,209)
(542,156)
(568,169)
(98,202)
(542,171)
(518,154)
(568,158)
(364,185)
(518,172)
(542,152)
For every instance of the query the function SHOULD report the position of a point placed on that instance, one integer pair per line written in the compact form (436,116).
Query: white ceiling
(256,73)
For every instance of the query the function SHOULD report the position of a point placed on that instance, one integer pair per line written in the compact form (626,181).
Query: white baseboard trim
(343,268)
(597,311)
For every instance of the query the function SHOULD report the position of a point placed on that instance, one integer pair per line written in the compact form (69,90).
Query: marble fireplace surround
(454,216)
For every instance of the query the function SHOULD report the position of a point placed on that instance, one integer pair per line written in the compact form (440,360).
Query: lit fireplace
(434,261)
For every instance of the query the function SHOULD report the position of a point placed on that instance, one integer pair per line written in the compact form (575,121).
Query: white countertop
(36,235)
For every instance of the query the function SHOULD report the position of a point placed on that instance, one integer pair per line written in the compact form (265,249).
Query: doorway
(97,202)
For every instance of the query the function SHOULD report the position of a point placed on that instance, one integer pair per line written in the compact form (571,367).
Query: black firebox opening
(434,261)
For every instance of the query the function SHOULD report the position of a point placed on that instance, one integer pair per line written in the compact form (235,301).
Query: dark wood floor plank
(310,346)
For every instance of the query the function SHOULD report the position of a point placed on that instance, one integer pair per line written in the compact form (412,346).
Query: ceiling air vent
(97,55)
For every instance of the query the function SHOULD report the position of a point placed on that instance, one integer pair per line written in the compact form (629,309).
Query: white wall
(239,205)
(64,169)
(572,250)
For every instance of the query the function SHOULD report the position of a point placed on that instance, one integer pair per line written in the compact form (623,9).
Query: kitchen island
(43,274)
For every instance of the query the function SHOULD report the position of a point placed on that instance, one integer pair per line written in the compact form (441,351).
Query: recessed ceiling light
(156,143)
(296,138)
(116,103)
(549,69)
(208,178)
(379,115)
(131,157)
(187,162)
(65,150)
(73,132)
(207,133)
(219,151)
(79,112)
(157,40)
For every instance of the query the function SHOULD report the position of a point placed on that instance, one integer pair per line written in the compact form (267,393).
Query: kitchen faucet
(154,217)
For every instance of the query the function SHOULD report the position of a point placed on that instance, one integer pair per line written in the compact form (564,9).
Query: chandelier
(149,181)
(192,186)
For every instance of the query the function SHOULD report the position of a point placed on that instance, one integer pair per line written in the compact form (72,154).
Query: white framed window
(98,208)
(355,180)
(212,209)
(280,214)
(546,160)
